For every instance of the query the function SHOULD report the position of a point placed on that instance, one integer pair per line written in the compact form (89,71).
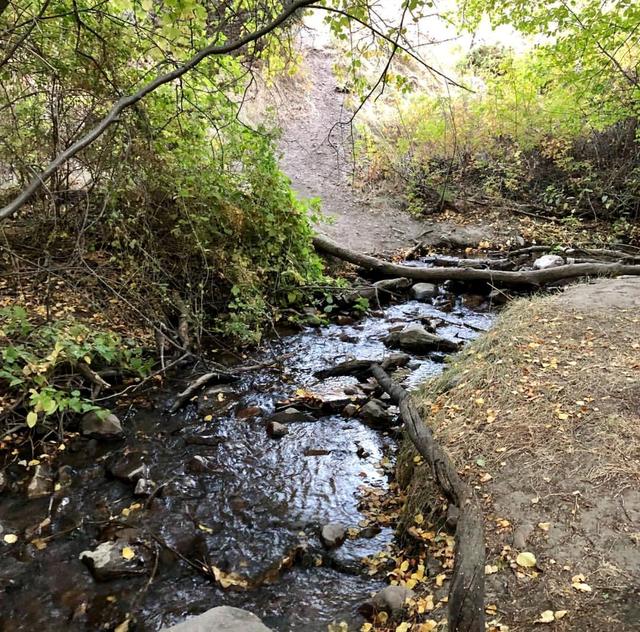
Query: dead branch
(202,381)
(531,278)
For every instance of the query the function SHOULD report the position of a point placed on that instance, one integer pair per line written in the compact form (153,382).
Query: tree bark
(527,278)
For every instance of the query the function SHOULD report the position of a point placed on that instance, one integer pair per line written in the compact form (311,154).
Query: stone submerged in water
(415,338)
(333,534)
(101,425)
(548,261)
(291,415)
(424,291)
(221,619)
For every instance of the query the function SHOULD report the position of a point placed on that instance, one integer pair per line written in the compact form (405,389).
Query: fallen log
(524,278)
(362,368)
(466,593)
(194,387)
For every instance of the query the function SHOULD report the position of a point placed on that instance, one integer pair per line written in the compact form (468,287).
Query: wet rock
(369,532)
(316,452)
(548,261)
(472,301)
(65,475)
(392,285)
(197,465)
(362,452)
(312,317)
(350,410)
(415,338)
(333,534)
(144,487)
(107,561)
(250,412)
(276,430)
(444,303)
(392,599)
(375,413)
(221,619)
(40,484)
(424,291)
(291,415)
(129,467)
(217,399)
(343,320)
(350,390)
(206,439)
(101,425)
(498,297)
(348,338)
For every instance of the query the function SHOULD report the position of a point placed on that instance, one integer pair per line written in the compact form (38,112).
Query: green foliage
(40,360)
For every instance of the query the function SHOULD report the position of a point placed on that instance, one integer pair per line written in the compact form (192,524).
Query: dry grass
(542,415)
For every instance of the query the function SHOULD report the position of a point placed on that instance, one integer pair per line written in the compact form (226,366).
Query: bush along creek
(265,485)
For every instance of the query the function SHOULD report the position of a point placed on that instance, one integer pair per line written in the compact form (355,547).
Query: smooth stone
(333,534)
(424,291)
(375,413)
(291,415)
(548,261)
(101,425)
(221,619)
(129,467)
(392,599)
(350,410)
(276,430)
(417,339)
(249,413)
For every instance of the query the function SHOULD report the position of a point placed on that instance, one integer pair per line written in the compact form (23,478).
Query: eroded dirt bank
(542,416)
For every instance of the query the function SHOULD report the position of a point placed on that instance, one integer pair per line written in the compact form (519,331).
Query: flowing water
(244,507)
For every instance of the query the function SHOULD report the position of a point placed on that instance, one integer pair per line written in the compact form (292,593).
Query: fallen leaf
(546,617)
(128,553)
(208,417)
(544,526)
(10,538)
(403,627)
(582,587)
(440,579)
(558,614)
(39,543)
(490,570)
(526,560)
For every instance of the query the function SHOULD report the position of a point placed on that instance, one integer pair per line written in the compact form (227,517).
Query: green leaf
(32,419)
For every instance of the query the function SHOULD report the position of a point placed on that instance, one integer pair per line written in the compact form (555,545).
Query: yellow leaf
(366,627)
(440,579)
(208,417)
(526,560)
(419,519)
(382,617)
(546,617)
(582,587)
(404,566)
(32,419)
(10,538)
(39,544)
(490,570)
(544,526)
(205,529)
(128,553)
(563,416)
(558,614)
(427,626)
(403,627)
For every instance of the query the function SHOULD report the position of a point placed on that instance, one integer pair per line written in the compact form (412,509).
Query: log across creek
(503,278)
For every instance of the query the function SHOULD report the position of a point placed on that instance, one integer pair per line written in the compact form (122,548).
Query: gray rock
(548,261)
(197,465)
(350,410)
(424,291)
(392,599)
(333,534)
(276,430)
(41,484)
(291,415)
(415,338)
(472,301)
(107,562)
(392,285)
(375,413)
(144,487)
(101,425)
(129,467)
(221,619)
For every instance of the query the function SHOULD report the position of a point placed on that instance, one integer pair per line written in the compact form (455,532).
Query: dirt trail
(317,156)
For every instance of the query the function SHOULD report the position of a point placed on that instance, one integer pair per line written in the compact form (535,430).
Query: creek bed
(256,500)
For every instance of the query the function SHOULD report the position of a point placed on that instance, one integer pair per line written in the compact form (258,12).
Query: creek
(232,497)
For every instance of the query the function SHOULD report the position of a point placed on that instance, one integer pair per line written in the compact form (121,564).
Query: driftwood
(530,278)
(466,593)
(362,368)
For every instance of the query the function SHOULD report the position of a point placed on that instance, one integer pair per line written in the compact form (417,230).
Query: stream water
(243,506)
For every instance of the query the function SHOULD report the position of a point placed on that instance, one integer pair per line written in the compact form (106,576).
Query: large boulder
(424,291)
(221,619)
(101,425)
(548,261)
(415,338)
